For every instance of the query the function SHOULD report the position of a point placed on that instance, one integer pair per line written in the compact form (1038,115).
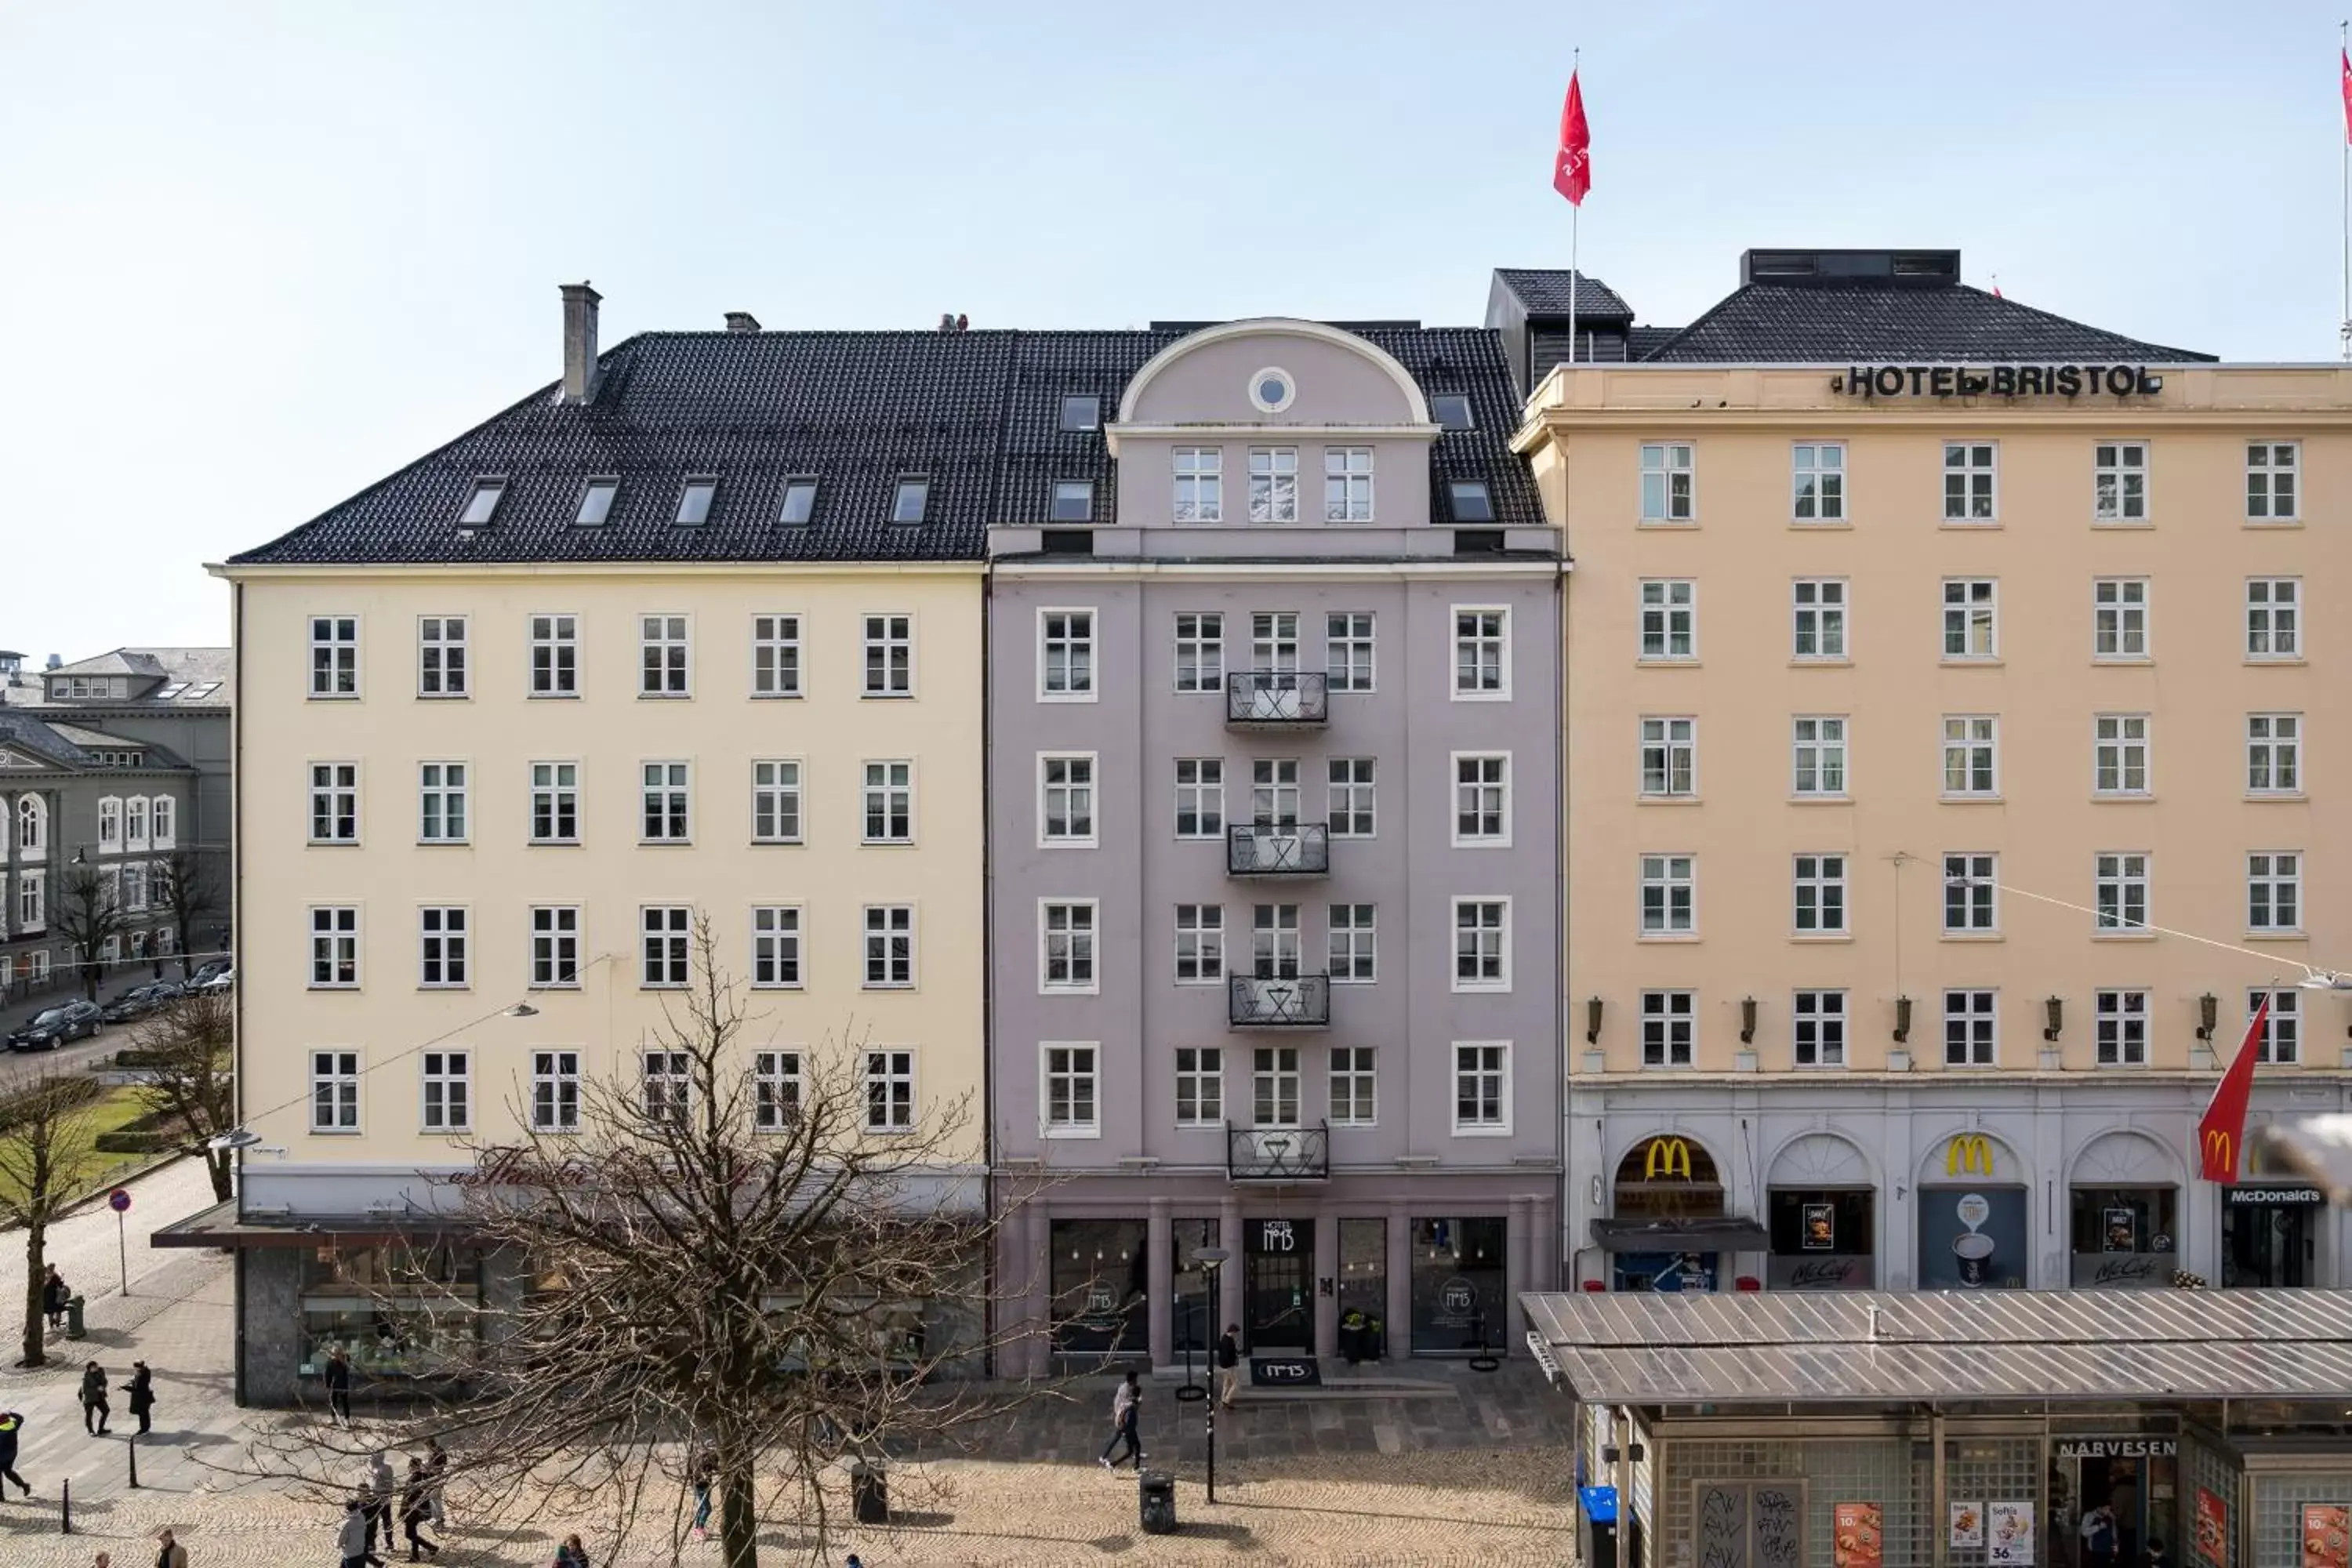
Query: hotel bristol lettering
(1996,381)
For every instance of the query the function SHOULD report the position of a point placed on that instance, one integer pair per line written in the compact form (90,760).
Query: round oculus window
(1272,390)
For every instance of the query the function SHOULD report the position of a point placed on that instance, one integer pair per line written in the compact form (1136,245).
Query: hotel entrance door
(1278,1314)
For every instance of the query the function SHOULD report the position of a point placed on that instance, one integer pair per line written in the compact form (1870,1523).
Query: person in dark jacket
(416,1509)
(1126,1411)
(570,1554)
(1229,1366)
(12,1426)
(141,1389)
(437,1472)
(338,1386)
(55,1294)
(94,1408)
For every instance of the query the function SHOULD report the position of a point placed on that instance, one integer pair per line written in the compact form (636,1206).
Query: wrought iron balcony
(1276,699)
(1288,1002)
(1278,849)
(1278,1153)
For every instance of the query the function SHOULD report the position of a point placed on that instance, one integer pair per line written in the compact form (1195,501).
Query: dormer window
(1074,501)
(1081,411)
(483,502)
(911,502)
(799,503)
(1451,411)
(694,500)
(1471,501)
(596,502)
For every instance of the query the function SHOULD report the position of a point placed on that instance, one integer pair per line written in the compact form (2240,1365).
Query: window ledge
(1969,936)
(444,697)
(1821,799)
(1817,936)
(1970,662)
(2290,796)
(1669,800)
(553,695)
(2270,661)
(2121,661)
(2122,797)
(1689,523)
(1666,937)
(664,843)
(1969,799)
(1070,1133)
(2124,935)
(2122,523)
(665,696)
(1826,525)
(1482,1132)
(1812,661)
(779,843)
(1648,661)
(2270,523)
(2278,936)
(1970,525)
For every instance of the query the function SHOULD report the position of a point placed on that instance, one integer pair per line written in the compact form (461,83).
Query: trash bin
(1156,1500)
(75,1328)
(869,1491)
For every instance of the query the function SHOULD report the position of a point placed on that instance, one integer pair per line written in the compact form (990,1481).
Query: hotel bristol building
(1924,650)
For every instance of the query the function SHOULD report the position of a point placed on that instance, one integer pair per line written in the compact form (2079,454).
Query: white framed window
(2119,619)
(1971,481)
(1274,942)
(1481,1086)
(1669,895)
(1274,792)
(1971,894)
(1071,1092)
(1348,647)
(1481,654)
(32,825)
(2273,754)
(776,801)
(1971,618)
(1669,1026)
(1667,482)
(441,789)
(2119,891)
(555,1091)
(1199,485)
(1817,755)
(2274,891)
(1482,799)
(889,1078)
(889,656)
(776,947)
(1066,655)
(1817,481)
(775,656)
(1199,797)
(554,946)
(441,930)
(2119,481)
(662,657)
(1817,618)
(1073,501)
(555,655)
(134,823)
(164,818)
(776,1090)
(2274,617)
(2119,1027)
(664,793)
(1346,484)
(1273,641)
(663,930)
(2271,467)
(134,898)
(1200,944)
(1669,619)
(334,947)
(666,1085)
(1670,758)
(1355,1084)
(448,1091)
(1353,803)
(1274,1086)
(2281,1038)
(1819,889)
(1971,755)
(441,667)
(1355,944)
(1817,1029)
(889,947)
(2119,754)
(110,825)
(1972,1028)
(890,802)
(1200,1086)
(334,1091)
(334,802)
(1482,944)
(1065,945)
(555,803)
(911,499)
(1065,800)
(1081,411)
(1200,650)
(334,657)
(1273,484)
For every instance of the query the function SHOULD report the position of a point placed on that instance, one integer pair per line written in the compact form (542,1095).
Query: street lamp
(1213,1260)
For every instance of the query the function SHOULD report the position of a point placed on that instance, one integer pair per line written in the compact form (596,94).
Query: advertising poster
(1968,1524)
(2212,1527)
(2009,1526)
(1821,1227)
(2326,1535)
(2123,1230)
(1861,1535)
(1972,1238)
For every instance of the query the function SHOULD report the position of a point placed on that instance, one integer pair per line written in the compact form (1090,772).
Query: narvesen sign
(1996,381)
(2118,1448)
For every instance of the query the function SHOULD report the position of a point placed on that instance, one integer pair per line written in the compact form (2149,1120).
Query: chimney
(742,322)
(579,342)
(946,321)
(56,661)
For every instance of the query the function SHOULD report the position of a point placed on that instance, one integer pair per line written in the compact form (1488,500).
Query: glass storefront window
(379,1341)
(1823,1238)
(1196,1312)
(1457,1284)
(426,1267)
(1100,1280)
(1363,1289)
(2124,1238)
(395,1309)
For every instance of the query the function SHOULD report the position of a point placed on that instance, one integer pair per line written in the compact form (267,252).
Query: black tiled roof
(1545,292)
(1830,323)
(979,413)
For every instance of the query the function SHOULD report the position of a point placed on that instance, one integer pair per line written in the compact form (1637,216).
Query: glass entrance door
(1277,1313)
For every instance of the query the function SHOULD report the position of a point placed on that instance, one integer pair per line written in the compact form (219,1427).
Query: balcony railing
(1276,699)
(1278,1153)
(1292,1002)
(1278,849)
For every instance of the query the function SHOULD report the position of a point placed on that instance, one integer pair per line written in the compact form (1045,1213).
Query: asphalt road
(16,1067)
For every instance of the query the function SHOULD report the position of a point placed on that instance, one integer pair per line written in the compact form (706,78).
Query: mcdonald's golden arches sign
(1969,1154)
(1666,1156)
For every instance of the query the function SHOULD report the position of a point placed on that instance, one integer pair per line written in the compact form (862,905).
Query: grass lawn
(111,1113)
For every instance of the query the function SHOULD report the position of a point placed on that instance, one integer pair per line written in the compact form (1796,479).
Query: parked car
(53,1026)
(140,1001)
(205,970)
(221,979)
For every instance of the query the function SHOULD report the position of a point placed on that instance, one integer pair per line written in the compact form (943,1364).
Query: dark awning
(221,1225)
(1712,1233)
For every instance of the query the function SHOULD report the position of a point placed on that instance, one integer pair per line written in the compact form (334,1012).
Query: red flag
(2347,57)
(2221,1131)
(1572,169)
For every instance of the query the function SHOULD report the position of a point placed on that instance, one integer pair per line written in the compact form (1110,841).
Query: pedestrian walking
(2156,1556)
(354,1539)
(706,1477)
(383,1486)
(141,1389)
(1229,1365)
(1126,1407)
(437,1469)
(55,1294)
(2099,1538)
(570,1554)
(169,1553)
(94,1408)
(338,1386)
(12,1426)
(415,1509)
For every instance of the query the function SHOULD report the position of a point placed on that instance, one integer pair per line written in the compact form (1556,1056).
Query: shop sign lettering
(1996,381)
(1277,1236)
(2118,1448)
(1821,1274)
(2129,1270)
(2274,1197)
(515,1167)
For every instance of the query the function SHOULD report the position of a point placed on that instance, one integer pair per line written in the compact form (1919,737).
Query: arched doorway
(1821,1205)
(1668,1228)
(2123,1203)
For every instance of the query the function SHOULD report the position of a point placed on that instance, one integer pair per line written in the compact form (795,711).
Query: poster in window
(2122,1230)
(2326,1535)
(1968,1524)
(1821,1227)
(2009,1526)
(2212,1528)
(1861,1535)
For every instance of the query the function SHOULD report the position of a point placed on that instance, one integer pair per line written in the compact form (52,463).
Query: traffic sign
(119,1200)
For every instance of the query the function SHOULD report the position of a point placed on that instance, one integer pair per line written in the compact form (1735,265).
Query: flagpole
(1576,213)
(2344,328)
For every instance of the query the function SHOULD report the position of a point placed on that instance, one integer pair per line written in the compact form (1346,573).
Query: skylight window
(1074,501)
(1453,411)
(800,501)
(1471,501)
(694,501)
(596,502)
(914,497)
(197,694)
(1082,412)
(482,503)
(174,689)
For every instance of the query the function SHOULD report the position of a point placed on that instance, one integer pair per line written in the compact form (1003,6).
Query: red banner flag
(2222,1131)
(1571,170)
(2345,54)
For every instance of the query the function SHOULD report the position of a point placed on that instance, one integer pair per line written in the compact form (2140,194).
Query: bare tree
(757,1258)
(88,916)
(47,1161)
(192,1089)
(186,889)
